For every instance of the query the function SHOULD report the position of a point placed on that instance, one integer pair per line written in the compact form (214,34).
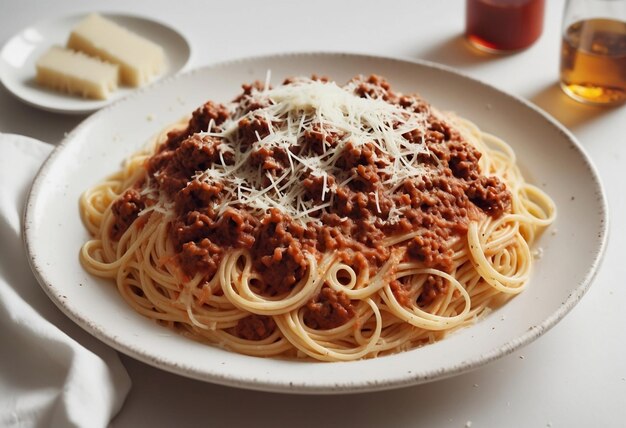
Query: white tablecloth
(51,372)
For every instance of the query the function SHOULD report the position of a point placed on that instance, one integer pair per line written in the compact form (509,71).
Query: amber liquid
(593,61)
(503,25)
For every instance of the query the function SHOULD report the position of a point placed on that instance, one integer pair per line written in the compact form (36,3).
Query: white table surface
(573,376)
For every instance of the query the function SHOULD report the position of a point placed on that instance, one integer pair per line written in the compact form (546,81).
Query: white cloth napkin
(52,373)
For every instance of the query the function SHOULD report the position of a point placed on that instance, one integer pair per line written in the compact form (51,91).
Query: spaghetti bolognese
(314,220)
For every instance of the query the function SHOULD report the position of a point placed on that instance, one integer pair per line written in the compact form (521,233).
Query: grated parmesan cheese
(311,105)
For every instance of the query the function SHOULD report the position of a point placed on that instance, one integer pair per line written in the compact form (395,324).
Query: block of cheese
(139,59)
(76,73)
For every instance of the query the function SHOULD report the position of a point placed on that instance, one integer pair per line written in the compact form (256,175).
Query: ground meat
(314,185)
(170,181)
(203,256)
(329,309)
(295,79)
(192,226)
(235,228)
(368,233)
(319,140)
(159,162)
(249,88)
(442,130)
(439,207)
(197,153)
(367,178)
(201,238)
(333,235)
(125,210)
(246,102)
(353,156)
(255,327)
(432,250)
(374,87)
(463,161)
(279,252)
(360,241)
(173,169)
(199,121)
(344,202)
(197,194)
(273,160)
(251,130)
(490,195)
(166,172)
(210,111)
(400,292)
(413,103)
(433,287)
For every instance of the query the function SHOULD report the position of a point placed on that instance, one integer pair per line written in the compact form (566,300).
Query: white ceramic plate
(572,247)
(20,53)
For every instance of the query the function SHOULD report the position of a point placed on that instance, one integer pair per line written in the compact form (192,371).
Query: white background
(574,376)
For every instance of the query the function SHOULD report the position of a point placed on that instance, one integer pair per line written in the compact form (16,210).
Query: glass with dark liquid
(593,51)
(503,25)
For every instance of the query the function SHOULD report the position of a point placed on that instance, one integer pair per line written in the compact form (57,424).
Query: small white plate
(572,247)
(20,53)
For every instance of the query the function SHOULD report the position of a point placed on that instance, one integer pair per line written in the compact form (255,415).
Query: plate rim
(356,385)
(102,103)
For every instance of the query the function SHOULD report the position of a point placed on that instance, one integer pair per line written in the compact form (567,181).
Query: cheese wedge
(139,59)
(76,73)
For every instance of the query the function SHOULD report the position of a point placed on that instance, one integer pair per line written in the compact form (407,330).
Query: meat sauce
(439,204)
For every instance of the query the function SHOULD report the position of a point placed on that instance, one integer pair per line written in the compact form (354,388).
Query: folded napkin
(52,373)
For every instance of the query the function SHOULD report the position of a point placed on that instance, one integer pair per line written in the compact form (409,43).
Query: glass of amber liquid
(502,26)
(593,51)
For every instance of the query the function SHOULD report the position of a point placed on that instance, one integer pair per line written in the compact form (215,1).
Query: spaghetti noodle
(319,221)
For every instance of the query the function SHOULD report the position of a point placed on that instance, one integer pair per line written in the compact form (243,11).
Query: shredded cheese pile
(312,105)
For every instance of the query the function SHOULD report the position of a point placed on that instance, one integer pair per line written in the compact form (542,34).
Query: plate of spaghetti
(317,223)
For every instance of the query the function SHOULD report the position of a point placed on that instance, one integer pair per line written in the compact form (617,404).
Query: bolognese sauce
(434,206)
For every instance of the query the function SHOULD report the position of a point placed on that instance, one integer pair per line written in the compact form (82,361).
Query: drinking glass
(502,26)
(593,51)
